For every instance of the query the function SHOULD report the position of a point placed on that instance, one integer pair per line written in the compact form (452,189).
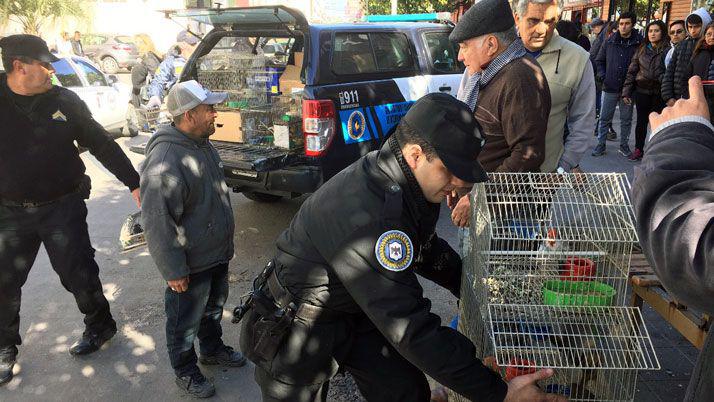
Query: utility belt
(276,309)
(84,188)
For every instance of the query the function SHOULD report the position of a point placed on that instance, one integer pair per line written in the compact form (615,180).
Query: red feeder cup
(578,269)
(526,367)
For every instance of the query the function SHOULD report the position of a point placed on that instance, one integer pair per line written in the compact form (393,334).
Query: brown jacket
(645,72)
(513,112)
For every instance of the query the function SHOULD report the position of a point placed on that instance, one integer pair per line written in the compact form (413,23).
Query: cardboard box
(228,126)
(290,80)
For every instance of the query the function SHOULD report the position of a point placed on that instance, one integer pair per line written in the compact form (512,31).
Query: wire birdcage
(545,281)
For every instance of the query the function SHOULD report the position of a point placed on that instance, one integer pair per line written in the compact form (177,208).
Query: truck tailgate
(247,157)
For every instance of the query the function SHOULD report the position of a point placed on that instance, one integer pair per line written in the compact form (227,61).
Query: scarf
(479,80)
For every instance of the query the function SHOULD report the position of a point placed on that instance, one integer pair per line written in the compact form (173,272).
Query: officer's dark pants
(62,228)
(195,312)
(312,354)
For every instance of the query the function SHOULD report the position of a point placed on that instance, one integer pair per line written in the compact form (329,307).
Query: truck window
(353,54)
(362,53)
(443,52)
(392,51)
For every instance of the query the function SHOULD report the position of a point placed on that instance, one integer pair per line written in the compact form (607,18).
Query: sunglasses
(677,32)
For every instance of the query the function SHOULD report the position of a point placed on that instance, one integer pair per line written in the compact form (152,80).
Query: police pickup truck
(357,81)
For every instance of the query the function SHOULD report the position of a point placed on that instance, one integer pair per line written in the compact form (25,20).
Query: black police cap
(449,126)
(28,46)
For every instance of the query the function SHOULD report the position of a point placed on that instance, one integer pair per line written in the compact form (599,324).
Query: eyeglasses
(677,32)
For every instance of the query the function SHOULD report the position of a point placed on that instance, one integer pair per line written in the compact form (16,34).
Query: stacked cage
(545,282)
(252,88)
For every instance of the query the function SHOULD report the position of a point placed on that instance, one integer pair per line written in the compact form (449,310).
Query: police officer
(42,192)
(170,69)
(342,291)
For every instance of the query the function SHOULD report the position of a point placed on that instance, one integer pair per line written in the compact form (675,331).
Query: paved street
(134,365)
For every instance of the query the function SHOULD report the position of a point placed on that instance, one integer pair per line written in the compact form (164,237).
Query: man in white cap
(189,228)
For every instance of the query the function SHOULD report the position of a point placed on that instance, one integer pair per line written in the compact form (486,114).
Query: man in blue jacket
(611,63)
(171,68)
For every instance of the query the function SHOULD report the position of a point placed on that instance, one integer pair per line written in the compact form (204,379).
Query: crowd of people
(343,294)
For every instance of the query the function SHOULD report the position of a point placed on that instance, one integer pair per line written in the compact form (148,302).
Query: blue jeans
(607,111)
(195,312)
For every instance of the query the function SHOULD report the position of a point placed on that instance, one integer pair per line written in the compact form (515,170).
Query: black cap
(28,46)
(449,126)
(484,17)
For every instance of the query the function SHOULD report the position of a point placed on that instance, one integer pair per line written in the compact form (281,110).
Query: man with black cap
(170,69)
(189,228)
(342,291)
(42,192)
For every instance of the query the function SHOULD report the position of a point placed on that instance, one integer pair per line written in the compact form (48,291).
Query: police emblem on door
(394,250)
(356,125)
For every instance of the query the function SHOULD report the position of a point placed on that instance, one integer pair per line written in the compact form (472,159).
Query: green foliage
(374,7)
(33,14)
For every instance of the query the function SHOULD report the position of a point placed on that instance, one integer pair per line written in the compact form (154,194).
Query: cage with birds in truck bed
(545,281)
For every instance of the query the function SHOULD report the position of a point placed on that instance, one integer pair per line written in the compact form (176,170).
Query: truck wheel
(110,65)
(261,197)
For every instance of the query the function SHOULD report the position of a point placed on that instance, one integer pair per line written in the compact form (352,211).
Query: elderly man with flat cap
(42,192)
(508,93)
(342,291)
(189,227)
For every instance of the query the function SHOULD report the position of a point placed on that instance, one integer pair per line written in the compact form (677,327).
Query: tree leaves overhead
(33,14)
(409,6)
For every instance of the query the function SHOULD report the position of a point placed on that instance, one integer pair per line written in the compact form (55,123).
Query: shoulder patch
(394,250)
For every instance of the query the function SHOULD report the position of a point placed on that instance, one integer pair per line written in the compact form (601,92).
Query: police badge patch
(394,250)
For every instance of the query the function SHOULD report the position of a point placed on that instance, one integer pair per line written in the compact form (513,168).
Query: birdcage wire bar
(535,235)
(572,336)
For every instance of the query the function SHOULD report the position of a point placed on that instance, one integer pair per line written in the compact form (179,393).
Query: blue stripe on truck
(358,125)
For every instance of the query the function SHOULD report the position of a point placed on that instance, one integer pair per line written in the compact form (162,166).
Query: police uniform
(345,276)
(42,192)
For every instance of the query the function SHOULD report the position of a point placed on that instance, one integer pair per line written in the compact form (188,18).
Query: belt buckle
(30,204)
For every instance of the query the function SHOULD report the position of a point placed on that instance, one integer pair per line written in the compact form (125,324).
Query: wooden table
(646,287)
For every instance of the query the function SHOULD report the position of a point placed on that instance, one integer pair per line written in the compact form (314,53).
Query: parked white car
(105,96)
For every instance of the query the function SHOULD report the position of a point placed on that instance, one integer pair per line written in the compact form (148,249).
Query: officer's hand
(460,213)
(524,388)
(696,105)
(136,195)
(154,102)
(179,285)
(628,101)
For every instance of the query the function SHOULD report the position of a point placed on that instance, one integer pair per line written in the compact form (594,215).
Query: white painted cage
(545,282)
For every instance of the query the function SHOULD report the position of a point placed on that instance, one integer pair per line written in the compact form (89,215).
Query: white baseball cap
(186,95)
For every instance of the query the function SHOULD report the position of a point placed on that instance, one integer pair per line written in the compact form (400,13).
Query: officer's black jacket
(38,158)
(327,258)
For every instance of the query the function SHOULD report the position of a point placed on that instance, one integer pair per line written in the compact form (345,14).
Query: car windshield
(65,74)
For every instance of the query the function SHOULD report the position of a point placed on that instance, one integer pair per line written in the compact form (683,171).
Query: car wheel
(131,127)
(261,197)
(110,65)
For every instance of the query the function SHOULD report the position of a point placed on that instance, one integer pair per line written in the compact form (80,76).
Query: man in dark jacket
(674,83)
(42,192)
(673,197)
(76,42)
(342,291)
(612,62)
(189,230)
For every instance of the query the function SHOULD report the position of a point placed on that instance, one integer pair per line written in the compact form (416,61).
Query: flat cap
(484,17)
